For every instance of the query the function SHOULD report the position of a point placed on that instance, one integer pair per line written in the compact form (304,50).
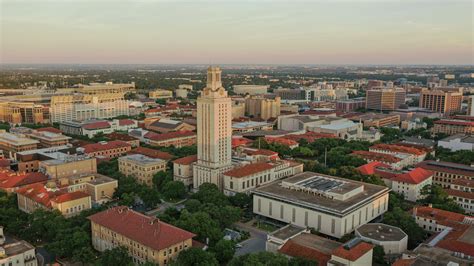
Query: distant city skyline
(237,32)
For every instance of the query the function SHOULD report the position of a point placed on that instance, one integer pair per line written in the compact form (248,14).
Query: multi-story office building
(141,167)
(333,206)
(250,89)
(445,173)
(441,101)
(16,252)
(350,105)
(263,108)
(214,132)
(100,88)
(23,112)
(13,143)
(462,192)
(160,94)
(453,126)
(147,239)
(245,178)
(86,107)
(385,99)
(377,120)
(177,139)
(68,165)
(48,139)
(103,149)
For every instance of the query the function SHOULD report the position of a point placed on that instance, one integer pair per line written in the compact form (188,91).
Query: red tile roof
(458,240)
(38,193)
(236,142)
(282,141)
(398,149)
(447,167)
(441,216)
(114,144)
(70,196)
(415,176)
(354,253)
(13,180)
(186,160)
(260,152)
(294,249)
(369,169)
(49,129)
(403,262)
(460,193)
(96,125)
(152,153)
(463,182)
(120,136)
(126,122)
(171,135)
(376,156)
(249,169)
(145,230)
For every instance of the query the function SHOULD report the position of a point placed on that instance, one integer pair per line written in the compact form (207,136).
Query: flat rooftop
(287,231)
(17,139)
(381,232)
(324,245)
(98,178)
(14,246)
(320,192)
(463,138)
(141,159)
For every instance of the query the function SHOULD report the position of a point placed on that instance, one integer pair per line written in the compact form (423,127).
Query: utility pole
(325,156)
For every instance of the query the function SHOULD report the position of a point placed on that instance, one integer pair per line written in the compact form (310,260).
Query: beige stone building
(160,94)
(214,132)
(16,252)
(147,239)
(262,107)
(13,143)
(23,112)
(250,89)
(441,101)
(50,197)
(68,166)
(88,106)
(446,172)
(141,167)
(101,188)
(331,205)
(385,99)
(245,178)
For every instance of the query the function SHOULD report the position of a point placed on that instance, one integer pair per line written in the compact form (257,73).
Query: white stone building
(391,238)
(331,205)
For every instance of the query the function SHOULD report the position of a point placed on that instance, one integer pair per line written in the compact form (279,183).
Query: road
(162,207)
(255,243)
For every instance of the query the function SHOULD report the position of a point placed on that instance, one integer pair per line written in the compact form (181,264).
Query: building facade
(183,169)
(86,107)
(446,102)
(453,126)
(146,239)
(16,252)
(214,132)
(263,108)
(445,173)
(141,167)
(333,206)
(385,99)
(462,192)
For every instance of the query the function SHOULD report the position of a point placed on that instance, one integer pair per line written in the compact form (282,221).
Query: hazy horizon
(147,32)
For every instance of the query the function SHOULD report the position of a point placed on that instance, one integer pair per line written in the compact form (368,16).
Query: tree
(378,257)
(241,200)
(201,224)
(116,256)
(260,258)
(209,193)
(174,190)
(438,198)
(195,257)
(161,178)
(192,205)
(224,250)
(402,219)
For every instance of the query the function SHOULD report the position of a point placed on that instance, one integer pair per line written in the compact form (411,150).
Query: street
(255,243)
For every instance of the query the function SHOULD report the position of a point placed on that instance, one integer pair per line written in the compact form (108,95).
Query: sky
(237,32)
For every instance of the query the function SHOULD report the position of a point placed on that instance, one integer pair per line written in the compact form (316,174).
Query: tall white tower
(214,132)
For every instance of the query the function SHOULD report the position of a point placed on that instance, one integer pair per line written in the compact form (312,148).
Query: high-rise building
(214,132)
(385,99)
(262,107)
(441,101)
